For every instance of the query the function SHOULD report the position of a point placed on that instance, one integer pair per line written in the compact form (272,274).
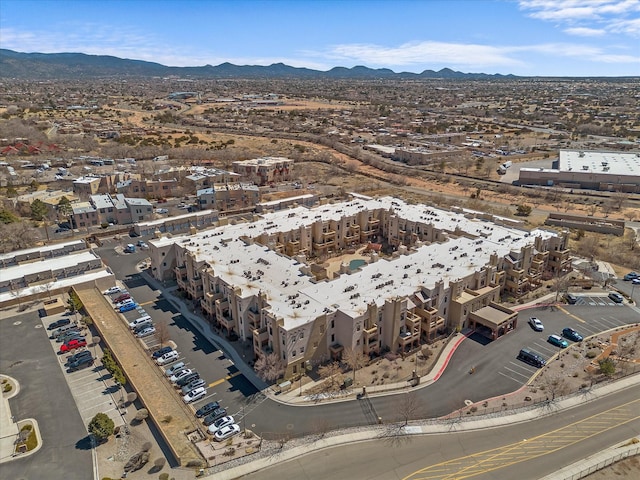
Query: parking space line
(522,366)
(222,380)
(516,373)
(506,376)
(575,317)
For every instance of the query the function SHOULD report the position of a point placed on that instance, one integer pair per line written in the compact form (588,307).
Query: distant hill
(42,66)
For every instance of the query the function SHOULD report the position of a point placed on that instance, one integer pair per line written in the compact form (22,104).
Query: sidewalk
(10,427)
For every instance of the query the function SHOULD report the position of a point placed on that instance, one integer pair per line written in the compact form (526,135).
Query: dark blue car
(571,334)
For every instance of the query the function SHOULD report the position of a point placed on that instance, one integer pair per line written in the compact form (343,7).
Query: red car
(72,345)
(124,296)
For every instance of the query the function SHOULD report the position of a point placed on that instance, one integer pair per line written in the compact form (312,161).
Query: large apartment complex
(267,281)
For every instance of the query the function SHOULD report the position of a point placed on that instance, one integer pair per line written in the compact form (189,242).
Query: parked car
(221,423)
(616,297)
(536,324)
(127,301)
(176,367)
(571,334)
(531,357)
(187,379)
(570,298)
(193,384)
(63,329)
(75,331)
(67,337)
(112,290)
(128,308)
(59,323)
(558,341)
(82,362)
(168,357)
(142,326)
(631,276)
(160,352)
(194,395)
(130,248)
(162,210)
(213,416)
(72,345)
(142,321)
(77,356)
(207,409)
(122,298)
(636,281)
(146,331)
(180,374)
(226,432)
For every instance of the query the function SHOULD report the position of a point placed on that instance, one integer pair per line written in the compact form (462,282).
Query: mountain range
(48,66)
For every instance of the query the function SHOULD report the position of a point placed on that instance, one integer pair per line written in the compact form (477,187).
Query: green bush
(101,427)
(7,387)
(32,439)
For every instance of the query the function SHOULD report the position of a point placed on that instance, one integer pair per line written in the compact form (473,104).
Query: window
(301,349)
(333,323)
(301,334)
(333,337)
(293,354)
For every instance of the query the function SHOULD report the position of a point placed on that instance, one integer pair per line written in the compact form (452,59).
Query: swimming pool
(356,264)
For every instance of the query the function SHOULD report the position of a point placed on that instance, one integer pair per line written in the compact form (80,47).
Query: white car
(194,395)
(112,290)
(220,423)
(168,358)
(140,321)
(124,303)
(145,332)
(176,367)
(180,374)
(226,432)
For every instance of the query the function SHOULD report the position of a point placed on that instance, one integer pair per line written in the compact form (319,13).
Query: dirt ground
(627,468)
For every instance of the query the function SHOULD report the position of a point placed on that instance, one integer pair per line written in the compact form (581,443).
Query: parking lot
(92,388)
(223,381)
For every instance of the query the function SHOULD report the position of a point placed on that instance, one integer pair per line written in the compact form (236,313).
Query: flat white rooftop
(297,299)
(15,272)
(611,163)
(44,248)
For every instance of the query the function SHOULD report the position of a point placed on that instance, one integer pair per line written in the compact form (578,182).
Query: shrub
(142,414)
(591,354)
(7,387)
(101,427)
(163,476)
(146,446)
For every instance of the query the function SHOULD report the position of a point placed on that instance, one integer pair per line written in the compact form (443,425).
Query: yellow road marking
(222,380)
(147,303)
(563,310)
(489,460)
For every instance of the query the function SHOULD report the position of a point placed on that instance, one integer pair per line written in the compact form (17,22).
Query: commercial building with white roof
(594,170)
(49,270)
(266,280)
(264,170)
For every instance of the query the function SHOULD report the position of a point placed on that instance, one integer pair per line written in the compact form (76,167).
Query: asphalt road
(525,451)
(497,371)
(26,355)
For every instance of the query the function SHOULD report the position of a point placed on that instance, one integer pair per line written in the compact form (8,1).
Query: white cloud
(585,32)
(422,53)
(588,18)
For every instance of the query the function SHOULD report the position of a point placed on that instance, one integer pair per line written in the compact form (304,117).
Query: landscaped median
(173,419)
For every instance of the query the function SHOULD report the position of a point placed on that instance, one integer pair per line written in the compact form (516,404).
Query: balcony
(260,340)
(226,321)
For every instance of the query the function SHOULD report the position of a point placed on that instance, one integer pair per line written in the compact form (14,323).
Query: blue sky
(523,37)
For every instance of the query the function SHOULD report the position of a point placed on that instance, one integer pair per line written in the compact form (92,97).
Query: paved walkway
(10,427)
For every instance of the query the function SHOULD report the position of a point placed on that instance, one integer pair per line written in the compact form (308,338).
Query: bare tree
(589,247)
(162,333)
(409,407)
(355,359)
(332,374)
(269,367)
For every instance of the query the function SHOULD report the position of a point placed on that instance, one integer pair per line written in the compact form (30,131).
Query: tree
(39,210)
(409,407)
(332,374)
(523,210)
(8,217)
(269,367)
(607,366)
(355,359)
(17,236)
(64,207)
(74,302)
(101,427)
(162,333)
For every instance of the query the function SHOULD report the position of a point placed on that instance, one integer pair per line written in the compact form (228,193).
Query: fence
(604,463)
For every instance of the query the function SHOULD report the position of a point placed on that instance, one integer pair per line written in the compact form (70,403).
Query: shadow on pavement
(84,443)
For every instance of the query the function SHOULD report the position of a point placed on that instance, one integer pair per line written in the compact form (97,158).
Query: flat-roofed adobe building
(265,280)
(594,170)
(264,170)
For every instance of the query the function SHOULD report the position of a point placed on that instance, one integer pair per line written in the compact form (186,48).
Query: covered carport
(493,321)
